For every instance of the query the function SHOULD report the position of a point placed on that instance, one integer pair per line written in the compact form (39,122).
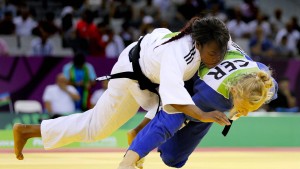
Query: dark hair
(88,16)
(49,16)
(7,13)
(79,60)
(204,30)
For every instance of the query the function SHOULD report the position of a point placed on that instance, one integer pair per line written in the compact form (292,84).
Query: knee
(173,161)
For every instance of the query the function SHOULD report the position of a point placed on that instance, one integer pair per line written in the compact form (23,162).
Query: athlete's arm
(195,112)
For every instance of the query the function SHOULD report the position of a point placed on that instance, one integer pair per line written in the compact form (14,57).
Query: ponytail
(186,30)
(204,30)
(265,78)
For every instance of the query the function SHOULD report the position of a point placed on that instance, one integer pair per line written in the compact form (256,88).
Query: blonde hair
(252,87)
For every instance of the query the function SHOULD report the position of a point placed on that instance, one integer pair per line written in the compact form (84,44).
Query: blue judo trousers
(163,131)
(174,145)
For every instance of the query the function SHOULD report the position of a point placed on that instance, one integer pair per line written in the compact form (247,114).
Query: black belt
(227,128)
(137,74)
(144,82)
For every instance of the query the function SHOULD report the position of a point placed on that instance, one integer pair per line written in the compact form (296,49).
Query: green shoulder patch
(170,35)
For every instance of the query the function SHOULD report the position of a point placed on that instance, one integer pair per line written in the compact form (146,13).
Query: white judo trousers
(123,97)
(115,107)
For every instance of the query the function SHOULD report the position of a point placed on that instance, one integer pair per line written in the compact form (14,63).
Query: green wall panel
(266,131)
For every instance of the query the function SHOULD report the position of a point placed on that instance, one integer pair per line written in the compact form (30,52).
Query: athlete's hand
(195,112)
(215,116)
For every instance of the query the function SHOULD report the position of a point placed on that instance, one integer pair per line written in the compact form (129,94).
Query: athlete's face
(210,53)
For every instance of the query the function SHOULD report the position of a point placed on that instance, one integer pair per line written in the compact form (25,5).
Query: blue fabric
(177,149)
(207,99)
(79,77)
(176,145)
(265,45)
(162,127)
(79,72)
(287,110)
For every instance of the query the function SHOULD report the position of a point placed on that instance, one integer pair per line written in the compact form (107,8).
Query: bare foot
(129,160)
(131,134)
(20,140)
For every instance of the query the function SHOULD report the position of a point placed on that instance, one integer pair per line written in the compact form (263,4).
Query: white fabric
(292,39)
(278,24)
(252,26)
(66,10)
(123,97)
(174,70)
(115,47)
(39,49)
(96,95)
(237,29)
(151,114)
(61,102)
(24,27)
(227,70)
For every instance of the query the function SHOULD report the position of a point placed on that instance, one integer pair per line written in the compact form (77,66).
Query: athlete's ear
(198,46)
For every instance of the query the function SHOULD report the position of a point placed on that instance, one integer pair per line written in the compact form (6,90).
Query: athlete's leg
(22,133)
(112,110)
(115,107)
(130,158)
(162,127)
(177,149)
(131,134)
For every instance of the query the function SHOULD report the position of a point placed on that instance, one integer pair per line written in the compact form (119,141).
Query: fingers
(225,119)
(222,119)
(215,116)
(219,121)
